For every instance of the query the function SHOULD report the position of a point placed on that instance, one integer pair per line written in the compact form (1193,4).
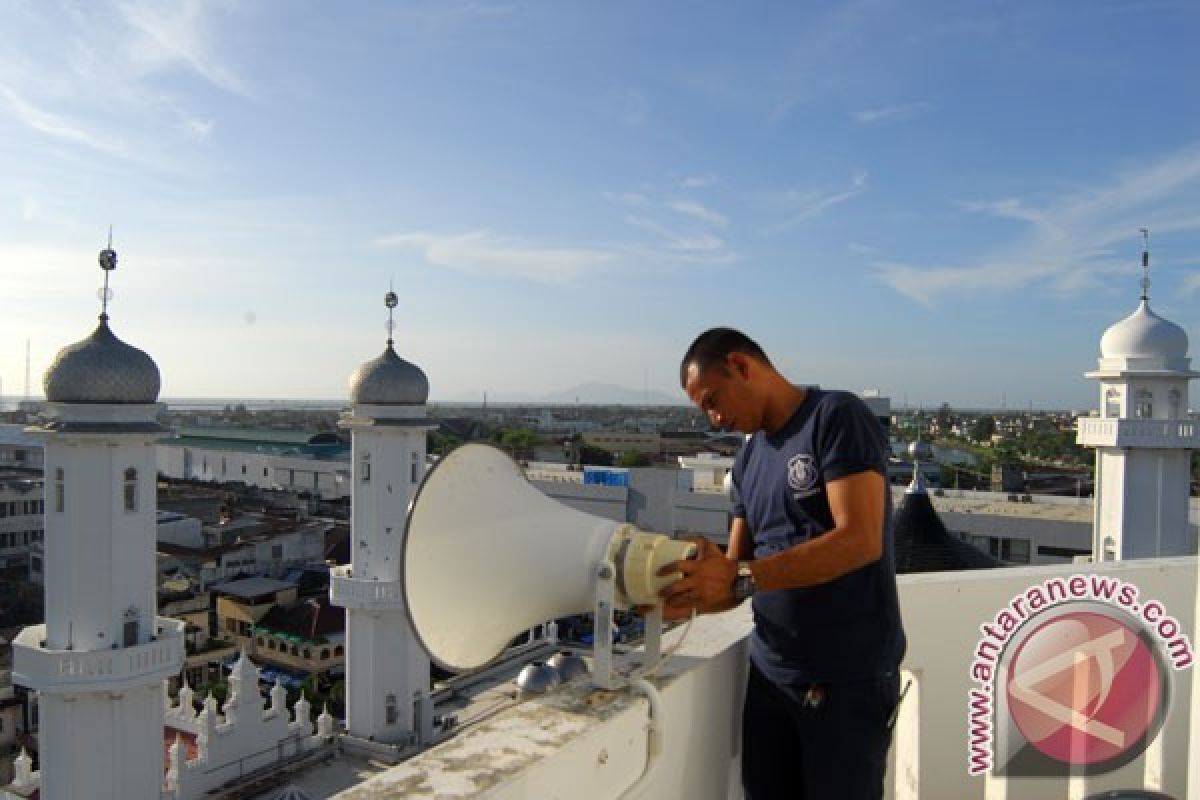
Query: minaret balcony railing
(348,591)
(1161,433)
(71,671)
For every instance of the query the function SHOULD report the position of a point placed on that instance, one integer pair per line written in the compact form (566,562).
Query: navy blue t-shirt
(848,629)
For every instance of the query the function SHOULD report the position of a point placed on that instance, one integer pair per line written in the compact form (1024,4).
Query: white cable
(654,735)
(670,651)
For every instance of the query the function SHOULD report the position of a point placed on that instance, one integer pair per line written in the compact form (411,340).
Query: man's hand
(706,585)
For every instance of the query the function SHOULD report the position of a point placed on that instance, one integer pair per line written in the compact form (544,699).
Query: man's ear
(739,364)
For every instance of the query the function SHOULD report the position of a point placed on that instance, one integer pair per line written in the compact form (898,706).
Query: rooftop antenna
(391,301)
(108,262)
(1145,263)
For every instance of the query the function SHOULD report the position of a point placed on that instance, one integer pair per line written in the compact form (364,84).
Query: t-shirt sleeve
(737,507)
(851,439)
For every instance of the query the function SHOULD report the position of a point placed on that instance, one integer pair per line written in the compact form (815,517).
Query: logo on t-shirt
(802,475)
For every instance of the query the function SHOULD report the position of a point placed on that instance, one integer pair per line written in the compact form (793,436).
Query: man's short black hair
(713,345)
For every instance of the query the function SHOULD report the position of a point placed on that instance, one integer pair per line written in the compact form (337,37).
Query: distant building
(21,519)
(318,463)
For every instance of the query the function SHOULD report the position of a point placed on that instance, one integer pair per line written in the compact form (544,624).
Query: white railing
(350,592)
(1138,432)
(39,667)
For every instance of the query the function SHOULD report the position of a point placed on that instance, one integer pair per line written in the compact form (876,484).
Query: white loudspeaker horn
(487,555)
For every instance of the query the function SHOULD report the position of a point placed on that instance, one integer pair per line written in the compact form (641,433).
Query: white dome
(1144,334)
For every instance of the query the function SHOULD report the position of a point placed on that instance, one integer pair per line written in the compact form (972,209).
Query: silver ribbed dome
(389,381)
(102,369)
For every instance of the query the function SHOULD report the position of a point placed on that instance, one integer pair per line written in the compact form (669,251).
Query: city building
(317,463)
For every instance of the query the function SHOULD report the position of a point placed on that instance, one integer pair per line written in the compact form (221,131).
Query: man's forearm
(820,560)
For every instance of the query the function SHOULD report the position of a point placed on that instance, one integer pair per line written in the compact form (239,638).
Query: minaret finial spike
(391,301)
(108,262)
(1145,263)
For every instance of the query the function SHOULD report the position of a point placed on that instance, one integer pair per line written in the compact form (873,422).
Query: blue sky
(937,199)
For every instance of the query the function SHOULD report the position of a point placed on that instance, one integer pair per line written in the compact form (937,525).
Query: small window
(131,489)
(276,551)
(1173,402)
(325,654)
(1015,550)
(243,469)
(295,650)
(338,651)
(60,490)
(1112,403)
(308,652)
(1145,404)
(415,468)
(391,710)
(223,465)
(364,468)
(265,475)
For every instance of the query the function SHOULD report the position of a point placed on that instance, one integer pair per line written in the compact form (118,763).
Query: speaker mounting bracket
(604,674)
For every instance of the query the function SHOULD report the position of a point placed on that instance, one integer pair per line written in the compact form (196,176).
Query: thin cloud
(804,206)
(1073,242)
(632,199)
(57,127)
(1191,283)
(481,253)
(897,113)
(177,35)
(699,181)
(674,240)
(698,211)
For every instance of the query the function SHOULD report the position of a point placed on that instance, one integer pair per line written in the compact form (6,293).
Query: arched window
(1173,401)
(1144,408)
(131,489)
(1112,403)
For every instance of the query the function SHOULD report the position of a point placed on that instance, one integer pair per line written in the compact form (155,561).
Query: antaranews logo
(1071,675)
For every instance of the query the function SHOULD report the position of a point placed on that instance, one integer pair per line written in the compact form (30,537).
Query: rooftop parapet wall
(584,743)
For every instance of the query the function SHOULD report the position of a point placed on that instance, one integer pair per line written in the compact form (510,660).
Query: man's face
(725,394)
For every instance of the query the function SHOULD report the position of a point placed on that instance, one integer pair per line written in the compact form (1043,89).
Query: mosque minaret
(100,659)
(1143,437)
(387,670)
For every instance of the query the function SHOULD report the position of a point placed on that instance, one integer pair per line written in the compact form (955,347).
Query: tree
(594,456)
(984,427)
(632,458)
(943,417)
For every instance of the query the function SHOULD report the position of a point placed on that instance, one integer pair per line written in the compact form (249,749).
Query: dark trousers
(824,742)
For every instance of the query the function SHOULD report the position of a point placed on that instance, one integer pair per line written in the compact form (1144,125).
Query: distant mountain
(611,394)
(585,393)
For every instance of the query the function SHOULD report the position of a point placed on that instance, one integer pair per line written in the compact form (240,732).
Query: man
(811,541)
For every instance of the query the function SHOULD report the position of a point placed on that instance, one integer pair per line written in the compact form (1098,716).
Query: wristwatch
(743,584)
